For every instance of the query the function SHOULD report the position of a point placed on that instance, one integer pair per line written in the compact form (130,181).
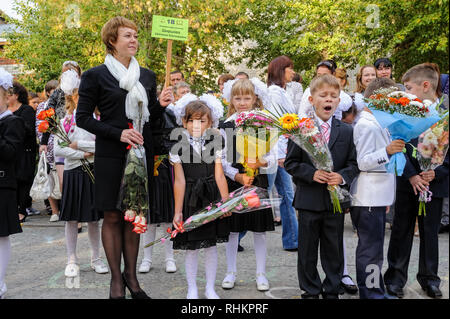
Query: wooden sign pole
(168,63)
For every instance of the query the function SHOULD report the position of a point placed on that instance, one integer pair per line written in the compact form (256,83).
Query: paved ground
(36,269)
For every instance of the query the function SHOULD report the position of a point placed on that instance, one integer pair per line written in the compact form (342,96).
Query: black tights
(118,237)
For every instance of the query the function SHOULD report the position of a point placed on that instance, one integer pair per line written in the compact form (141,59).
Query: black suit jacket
(12,135)
(26,164)
(99,88)
(438,186)
(309,194)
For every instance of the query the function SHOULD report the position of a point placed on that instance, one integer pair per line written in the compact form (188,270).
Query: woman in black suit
(111,88)
(18,104)
(12,133)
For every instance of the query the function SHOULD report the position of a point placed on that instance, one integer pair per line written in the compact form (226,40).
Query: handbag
(54,184)
(40,190)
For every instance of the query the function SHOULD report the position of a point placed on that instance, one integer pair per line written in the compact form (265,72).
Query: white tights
(210,271)
(259,242)
(71,230)
(148,237)
(5,254)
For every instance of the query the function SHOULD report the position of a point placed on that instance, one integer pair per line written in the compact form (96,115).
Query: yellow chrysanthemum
(289,121)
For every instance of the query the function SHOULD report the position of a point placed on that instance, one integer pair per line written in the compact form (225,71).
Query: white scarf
(129,80)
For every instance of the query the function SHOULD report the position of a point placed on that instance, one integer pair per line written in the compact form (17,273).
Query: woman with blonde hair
(366,74)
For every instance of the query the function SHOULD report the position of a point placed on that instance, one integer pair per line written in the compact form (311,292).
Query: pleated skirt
(77,202)
(161,195)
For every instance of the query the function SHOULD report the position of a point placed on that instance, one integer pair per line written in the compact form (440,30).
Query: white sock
(71,230)
(147,238)
(168,246)
(259,240)
(210,270)
(346,280)
(5,254)
(191,273)
(231,251)
(94,240)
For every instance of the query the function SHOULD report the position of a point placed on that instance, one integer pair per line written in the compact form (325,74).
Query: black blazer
(314,196)
(438,186)
(27,158)
(12,135)
(99,88)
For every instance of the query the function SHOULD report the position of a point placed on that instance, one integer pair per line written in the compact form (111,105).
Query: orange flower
(50,112)
(393,100)
(403,101)
(43,127)
(42,115)
(253,200)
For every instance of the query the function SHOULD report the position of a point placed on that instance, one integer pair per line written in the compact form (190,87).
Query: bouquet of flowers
(432,148)
(51,123)
(133,195)
(404,115)
(305,133)
(253,139)
(242,200)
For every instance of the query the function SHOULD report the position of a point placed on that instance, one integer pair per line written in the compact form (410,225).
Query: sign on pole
(170,29)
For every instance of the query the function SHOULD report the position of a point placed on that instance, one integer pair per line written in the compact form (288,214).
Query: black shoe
(329,296)
(350,289)
(135,294)
(291,249)
(394,290)
(443,229)
(119,297)
(433,291)
(240,248)
(309,296)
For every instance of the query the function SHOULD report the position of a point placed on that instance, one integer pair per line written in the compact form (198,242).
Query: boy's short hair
(326,79)
(379,83)
(420,73)
(177,71)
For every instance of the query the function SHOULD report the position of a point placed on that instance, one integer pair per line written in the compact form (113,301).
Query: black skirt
(77,202)
(161,195)
(200,191)
(9,214)
(256,221)
(108,176)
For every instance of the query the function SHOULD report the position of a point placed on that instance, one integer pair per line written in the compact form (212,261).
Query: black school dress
(12,135)
(201,190)
(255,221)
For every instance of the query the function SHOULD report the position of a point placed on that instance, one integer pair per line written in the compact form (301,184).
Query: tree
(52,31)
(351,32)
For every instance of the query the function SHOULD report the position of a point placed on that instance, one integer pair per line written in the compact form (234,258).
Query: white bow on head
(259,86)
(210,100)
(6,79)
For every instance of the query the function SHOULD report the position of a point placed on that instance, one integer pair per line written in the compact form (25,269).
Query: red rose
(43,127)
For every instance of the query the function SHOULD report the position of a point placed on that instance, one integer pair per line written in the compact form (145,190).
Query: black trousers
(370,224)
(400,244)
(24,200)
(324,228)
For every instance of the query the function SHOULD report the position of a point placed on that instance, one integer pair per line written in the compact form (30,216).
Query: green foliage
(52,31)
(350,31)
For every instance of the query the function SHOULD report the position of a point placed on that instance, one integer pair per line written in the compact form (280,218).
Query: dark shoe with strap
(350,289)
(395,290)
(433,291)
(135,294)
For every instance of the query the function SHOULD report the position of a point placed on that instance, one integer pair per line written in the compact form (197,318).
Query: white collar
(330,121)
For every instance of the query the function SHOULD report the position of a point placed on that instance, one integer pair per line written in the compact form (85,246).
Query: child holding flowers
(199,181)
(245,95)
(317,221)
(422,81)
(77,202)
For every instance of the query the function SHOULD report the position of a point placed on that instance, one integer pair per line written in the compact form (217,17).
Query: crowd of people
(98,110)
